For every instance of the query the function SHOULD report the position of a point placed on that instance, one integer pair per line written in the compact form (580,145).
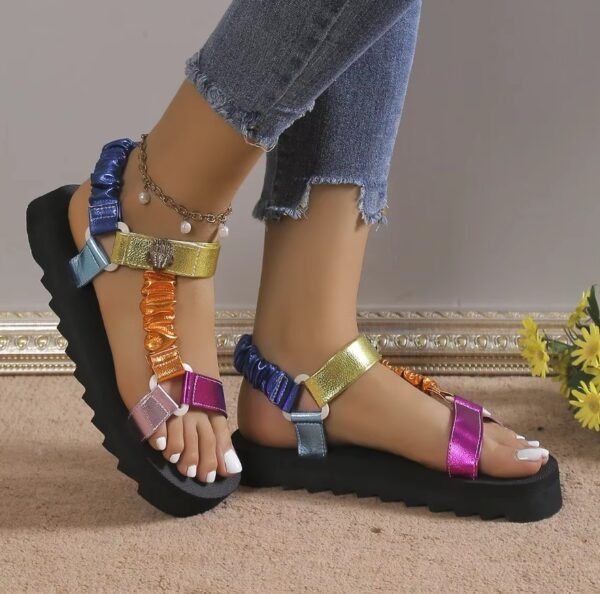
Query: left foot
(199,442)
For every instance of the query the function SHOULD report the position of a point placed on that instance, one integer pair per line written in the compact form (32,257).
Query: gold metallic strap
(183,258)
(342,370)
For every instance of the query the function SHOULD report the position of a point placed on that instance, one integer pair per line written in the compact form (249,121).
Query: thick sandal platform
(81,324)
(315,466)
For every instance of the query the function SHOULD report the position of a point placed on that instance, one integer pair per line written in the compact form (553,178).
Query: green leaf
(576,376)
(556,347)
(593,309)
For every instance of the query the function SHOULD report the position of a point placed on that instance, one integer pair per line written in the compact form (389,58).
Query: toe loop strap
(152,411)
(203,392)
(466,437)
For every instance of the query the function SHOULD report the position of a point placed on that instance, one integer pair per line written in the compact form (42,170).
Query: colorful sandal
(368,472)
(67,276)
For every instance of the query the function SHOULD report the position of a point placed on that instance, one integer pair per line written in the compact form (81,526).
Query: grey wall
(496,174)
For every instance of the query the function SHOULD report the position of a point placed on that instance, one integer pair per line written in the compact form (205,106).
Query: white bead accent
(223,231)
(185,227)
(144,197)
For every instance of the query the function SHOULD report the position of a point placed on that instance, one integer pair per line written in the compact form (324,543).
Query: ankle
(301,344)
(154,218)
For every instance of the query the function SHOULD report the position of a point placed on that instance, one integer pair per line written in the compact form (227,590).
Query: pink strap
(151,411)
(466,436)
(203,392)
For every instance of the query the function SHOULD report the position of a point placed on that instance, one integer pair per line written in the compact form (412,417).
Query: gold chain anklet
(151,188)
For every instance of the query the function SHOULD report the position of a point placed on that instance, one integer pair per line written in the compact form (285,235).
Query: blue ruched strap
(274,383)
(104,204)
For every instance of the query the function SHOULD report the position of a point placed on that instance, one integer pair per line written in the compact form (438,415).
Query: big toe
(512,461)
(228,460)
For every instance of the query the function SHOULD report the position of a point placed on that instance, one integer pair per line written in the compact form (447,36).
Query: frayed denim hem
(371,202)
(248,123)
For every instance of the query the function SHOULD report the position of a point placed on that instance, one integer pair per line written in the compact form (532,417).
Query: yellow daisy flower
(528,333)
(537,356)
(593,370)
(588,352)
(580,310)
(588,402)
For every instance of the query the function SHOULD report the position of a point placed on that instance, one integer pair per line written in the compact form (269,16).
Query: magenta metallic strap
(466,437)
(203,392)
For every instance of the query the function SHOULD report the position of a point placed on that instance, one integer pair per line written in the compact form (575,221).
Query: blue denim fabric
(320,85)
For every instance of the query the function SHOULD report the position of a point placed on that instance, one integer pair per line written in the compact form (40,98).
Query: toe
(158,440)
(175,441)
(224,447)
(207,468)
(508,437)
(188,462)
(511,461)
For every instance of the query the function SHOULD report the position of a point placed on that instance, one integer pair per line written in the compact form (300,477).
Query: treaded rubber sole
(372,473)
(81,324)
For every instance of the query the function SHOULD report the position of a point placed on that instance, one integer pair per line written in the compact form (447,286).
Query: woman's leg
(262,68)
(312,267)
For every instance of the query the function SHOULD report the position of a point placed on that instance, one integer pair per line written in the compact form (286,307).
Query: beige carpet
(71,523)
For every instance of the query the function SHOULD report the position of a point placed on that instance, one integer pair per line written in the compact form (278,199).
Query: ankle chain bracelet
(152,189)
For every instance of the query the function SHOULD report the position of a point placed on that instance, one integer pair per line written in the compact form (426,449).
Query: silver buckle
(299,379)
(124,229)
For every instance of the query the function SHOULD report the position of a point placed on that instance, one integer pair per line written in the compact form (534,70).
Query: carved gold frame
(434,342)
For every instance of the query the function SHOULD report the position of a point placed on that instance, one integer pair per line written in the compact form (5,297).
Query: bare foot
(380,410)
(198,443)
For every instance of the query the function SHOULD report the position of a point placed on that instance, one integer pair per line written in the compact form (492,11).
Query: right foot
(380,410)
(198,443)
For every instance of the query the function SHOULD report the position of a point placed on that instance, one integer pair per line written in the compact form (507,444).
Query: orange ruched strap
(158,309)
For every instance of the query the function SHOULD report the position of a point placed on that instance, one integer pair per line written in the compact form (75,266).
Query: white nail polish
(486,412)
(534,443)
(232,462)
(161,443)
(191,471)
(211,476)
(520,436)
(174,458)
(532,454)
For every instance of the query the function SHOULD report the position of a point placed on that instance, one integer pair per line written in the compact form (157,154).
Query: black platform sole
(371,473)
(81,324)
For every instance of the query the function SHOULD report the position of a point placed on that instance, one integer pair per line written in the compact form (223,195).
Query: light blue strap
(310,433)
(88,263)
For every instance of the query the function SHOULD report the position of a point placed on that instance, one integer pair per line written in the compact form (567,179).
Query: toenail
(532,454)
(520,436)
(534,443)
(232,462)
(211,476)
(175,458)
(161,443)
(191,471)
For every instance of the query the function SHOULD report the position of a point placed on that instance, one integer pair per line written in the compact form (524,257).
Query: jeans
(320,85)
